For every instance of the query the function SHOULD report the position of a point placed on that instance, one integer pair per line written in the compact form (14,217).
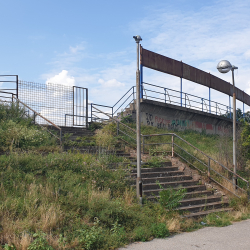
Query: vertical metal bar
(91,111)
(243,111)
(73,104)
(209,100)
(141,81)
(138,131)
(112,111)
(202,103)
(172,145)
(87,106)
(165,94)
(208,168)
(65,120)
(142,144)
(17,86)
(181,91)
(230,107)
(234,133)
(216,108)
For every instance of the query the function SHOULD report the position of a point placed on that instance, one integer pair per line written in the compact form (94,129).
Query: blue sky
(90,44)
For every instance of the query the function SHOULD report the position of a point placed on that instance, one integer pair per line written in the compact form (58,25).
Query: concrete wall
(163,115)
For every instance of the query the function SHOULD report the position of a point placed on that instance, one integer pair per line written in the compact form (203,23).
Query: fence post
(112,111)
(172,145)
(185,100)
(208,170)
(91,111)
(202,103)
(216,108)
(143,144)
(165,94)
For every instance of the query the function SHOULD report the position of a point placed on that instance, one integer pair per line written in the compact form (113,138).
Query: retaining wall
(163,115)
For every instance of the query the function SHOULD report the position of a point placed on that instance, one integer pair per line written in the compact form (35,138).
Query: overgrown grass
(76,201)
(17,131)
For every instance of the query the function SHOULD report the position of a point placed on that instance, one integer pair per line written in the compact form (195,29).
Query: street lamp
(225,66)
(138,125)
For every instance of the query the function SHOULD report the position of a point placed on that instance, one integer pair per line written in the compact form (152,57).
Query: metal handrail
(208,166)
(54,125)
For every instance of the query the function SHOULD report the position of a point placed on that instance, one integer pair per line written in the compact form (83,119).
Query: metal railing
(166,95)
(195,157)
(183,99)
(126,133)
(46,121)
(123,103)
(199,160)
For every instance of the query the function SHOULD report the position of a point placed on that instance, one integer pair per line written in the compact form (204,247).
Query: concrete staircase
(198,201)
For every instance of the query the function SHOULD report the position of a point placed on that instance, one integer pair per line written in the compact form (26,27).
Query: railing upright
(172,145)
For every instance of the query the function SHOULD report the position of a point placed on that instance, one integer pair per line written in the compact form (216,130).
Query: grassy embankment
(54,200)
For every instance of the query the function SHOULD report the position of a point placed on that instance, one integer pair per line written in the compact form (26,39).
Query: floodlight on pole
(225,66)
(138,125)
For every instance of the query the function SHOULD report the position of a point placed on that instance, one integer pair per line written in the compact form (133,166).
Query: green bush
(159,230)
(40,242)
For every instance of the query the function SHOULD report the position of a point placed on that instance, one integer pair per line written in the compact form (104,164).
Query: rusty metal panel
(161,63)
(196,75)
(221,85)
(173,67)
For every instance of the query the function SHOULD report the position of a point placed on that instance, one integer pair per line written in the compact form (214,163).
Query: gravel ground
(235,237)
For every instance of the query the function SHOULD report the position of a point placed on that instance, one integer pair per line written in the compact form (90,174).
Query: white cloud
(62,78)
(111,83)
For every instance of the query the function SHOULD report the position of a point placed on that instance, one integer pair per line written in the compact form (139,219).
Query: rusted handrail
(54,125)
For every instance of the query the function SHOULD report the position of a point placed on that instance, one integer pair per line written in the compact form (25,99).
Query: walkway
(236,236)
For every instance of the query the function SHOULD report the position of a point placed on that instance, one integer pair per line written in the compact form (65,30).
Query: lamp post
(225,66)
(138,125)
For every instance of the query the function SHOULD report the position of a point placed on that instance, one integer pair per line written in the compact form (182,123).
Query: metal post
(165,94)
(73,104)
(17,86)
(210,100)
(172,145)
(234,132)
(91,111)
(141,86)
(112,111)
(138,126)
(142,144)
(216,108)
(202,104)
(230,115)
(181,91)
(87,106)
(208,169)
(243,111)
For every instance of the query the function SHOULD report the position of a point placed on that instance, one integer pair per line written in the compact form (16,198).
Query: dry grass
(174,224)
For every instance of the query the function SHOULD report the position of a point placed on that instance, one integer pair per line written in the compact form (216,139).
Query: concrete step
(199,200)
(188,195)
(165,179)
(196,194)
(194,188)
(204,213)
(153,170)
(184,184)
(203,207)
(158,174)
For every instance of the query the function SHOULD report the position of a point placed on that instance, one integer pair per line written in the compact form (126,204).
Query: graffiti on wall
(181,124)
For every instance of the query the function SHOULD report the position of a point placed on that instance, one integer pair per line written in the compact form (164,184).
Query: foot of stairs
(198,200)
